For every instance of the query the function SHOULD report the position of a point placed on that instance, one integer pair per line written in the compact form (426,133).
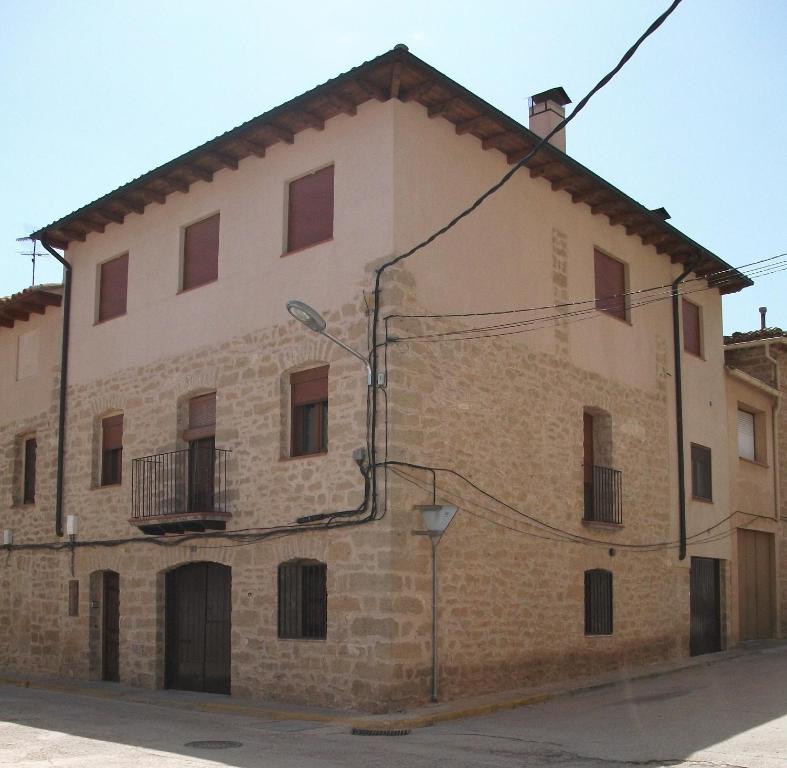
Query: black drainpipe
(61,430)
(676,346)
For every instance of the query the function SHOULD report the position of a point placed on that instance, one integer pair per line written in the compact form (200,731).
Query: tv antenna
(34,254)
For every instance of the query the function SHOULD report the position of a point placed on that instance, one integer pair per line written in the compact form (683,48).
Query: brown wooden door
(110,656)
(198,624)
(705,606)
(755,584)
(201,474)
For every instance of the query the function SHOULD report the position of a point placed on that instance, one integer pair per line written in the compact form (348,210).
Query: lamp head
(437,517)
(307,315)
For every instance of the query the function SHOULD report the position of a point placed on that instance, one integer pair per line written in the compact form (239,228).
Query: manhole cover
(213,744)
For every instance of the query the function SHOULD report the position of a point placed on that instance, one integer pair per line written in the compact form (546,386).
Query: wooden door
(705,636)
(198,624)
(755,584)
(110,625)
(201,474)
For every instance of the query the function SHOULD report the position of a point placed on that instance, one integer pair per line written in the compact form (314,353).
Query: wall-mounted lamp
(8,537)
(437,518)
(72,526)
(314,321)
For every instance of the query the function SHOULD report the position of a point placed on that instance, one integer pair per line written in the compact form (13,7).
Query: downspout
(676,347)
(61,430)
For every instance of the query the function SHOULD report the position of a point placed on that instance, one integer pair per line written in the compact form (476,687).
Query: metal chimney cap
(558,95)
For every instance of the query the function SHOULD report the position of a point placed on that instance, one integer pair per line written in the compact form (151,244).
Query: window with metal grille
(73,597)
(310,210)
(303,600)
(201,253)
(598,602)
(111,449)
(112,288)
(29,480)
(309,411)
(610,277)
(701,485)
(746,442)
(692,328)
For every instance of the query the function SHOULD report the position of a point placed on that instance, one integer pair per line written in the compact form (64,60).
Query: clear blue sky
(96,93)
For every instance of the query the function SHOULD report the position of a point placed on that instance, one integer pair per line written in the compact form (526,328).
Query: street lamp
(314,321)
(436,517)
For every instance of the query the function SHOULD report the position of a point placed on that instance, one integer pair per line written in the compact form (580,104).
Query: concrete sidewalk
(417,717)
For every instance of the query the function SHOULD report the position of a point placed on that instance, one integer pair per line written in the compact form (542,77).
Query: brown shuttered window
(692,335)
(111,449)
(598,602)
(610,285)
(113,285)
(303,601)
(309,411)
(29,489)
(202,417)
(201,253)
(701,480)
(310,210)
(73,597)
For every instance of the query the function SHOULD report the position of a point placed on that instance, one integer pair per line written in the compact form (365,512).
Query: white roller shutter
(746,435)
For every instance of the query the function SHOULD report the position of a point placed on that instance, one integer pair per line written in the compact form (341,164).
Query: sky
(95,93)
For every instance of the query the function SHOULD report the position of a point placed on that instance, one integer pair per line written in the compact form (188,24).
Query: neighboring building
(197,406)
(758,362)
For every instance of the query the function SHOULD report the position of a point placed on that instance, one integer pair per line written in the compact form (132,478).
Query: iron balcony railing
(193,480)
(603,495)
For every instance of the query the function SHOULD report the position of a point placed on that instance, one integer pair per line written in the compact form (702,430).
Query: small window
(29,481)
(701,487)
(610,277)
(73,597)
(310,210)
(746,434)
(692,328)
(201,253)
(303,600)
(598,602)
(309,411)
(112,289)
(111,449)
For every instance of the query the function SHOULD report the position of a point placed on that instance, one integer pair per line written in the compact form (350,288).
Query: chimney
(763,311)
(547,109)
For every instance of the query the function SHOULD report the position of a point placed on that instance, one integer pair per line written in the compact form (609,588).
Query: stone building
(245,492)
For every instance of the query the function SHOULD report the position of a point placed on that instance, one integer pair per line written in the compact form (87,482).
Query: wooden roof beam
(200,172)
(583,195)
(134,205)
(13,313)
(254,147)
(639,228)
(228,161)
(175,184)
(417,91)
(441,107)
(396,80)
(654,237)
(6,322)
(73,234)
(343,104)
(28,307)
(381,94)
(312,120)
(681,254)
(541,170)
(55,240)
(473,124)
(493,142)
(567,181)
(604,206)
(111,215)
(282,134)
(667,245)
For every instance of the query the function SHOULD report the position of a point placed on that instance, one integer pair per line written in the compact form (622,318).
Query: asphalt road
(732,713)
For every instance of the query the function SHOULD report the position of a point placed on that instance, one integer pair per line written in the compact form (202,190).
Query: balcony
(180,491)
(603,495)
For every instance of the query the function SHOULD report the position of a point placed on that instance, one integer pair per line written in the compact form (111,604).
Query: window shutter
(309,386)
(310,209)
(701,479)
(29,490)
(746,435)
(691,328)
(610,277)
(598,602)
(112,428)
(113,288)
(201,253)
(202,417)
